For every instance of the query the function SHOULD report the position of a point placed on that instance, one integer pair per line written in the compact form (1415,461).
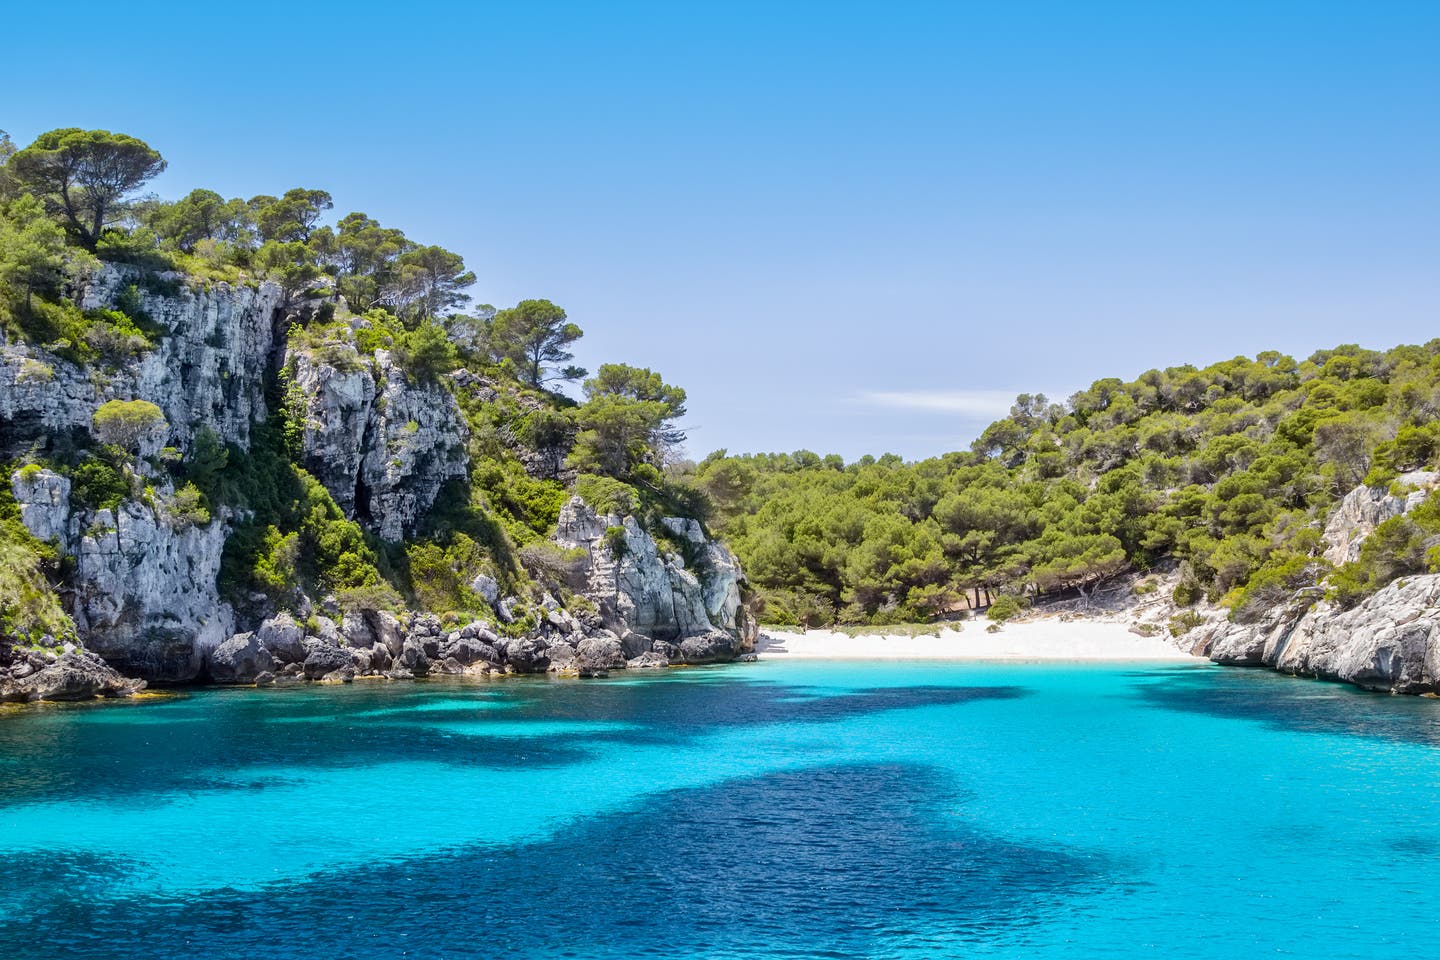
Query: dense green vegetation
(29,608)
(351,288)
(1230,470)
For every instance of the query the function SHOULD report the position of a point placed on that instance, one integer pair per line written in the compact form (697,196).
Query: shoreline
(1041,639)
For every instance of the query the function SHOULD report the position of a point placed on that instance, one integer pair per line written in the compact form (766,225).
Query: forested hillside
(1230,470)
(324,387)
(327,391)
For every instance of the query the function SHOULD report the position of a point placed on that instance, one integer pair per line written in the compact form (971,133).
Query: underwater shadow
(821,862)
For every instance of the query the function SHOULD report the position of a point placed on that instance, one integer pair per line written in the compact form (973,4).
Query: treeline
(1230,470)
(352,287)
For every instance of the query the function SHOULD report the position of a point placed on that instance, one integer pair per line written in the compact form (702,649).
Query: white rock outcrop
(382,444)
(143,589)
(646,597)
(1389,642)
(208,370)
(1365,508)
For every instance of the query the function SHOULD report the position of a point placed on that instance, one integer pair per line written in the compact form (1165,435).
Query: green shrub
(1005,607)
(553,562)
(426,352)
(369,598)
(124,423)
(114,337)
(96,483)
(186,507)
(1183,622)
(615,542)
(530,506)
(1187,593)
(439,576)
(1274,584)
(33,371)
(607,495)
(379,330)
(30,607)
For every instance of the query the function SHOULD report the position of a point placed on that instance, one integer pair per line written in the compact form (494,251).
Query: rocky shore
(644,609)
(57,674)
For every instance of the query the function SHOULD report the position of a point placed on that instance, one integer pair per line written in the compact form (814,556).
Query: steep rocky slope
(1388,642)
(141,580)
(207,370)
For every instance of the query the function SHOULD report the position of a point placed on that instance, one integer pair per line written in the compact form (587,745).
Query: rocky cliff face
(1389,642)
(648,598)
(142,588)
(652,609)
(144,594)
(143,591)
(1365,508)
(382,444)
(207,371)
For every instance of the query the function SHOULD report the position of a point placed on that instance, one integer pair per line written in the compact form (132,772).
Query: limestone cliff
(382,444)
(207,370)
(648,597)
(1389,642)
(141,585)
(142,589)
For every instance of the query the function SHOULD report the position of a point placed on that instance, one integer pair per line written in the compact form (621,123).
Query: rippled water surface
(771,810)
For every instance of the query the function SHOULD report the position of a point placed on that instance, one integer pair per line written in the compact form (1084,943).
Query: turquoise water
(772,810)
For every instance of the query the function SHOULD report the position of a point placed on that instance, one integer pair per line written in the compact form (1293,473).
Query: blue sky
(851,227)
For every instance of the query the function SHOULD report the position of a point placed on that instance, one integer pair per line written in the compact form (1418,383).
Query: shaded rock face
(144,594)
(240,659)
(208,370)
(645,597)
(382,444)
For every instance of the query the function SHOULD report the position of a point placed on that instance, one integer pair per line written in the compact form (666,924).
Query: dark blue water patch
(137,752)
(1296,704)
(71,875)
(817,863)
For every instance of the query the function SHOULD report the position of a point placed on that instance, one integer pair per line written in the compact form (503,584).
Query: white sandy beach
(1039,639)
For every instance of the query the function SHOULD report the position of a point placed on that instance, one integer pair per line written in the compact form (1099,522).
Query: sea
(815,809)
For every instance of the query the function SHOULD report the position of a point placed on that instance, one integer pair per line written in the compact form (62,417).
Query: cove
(795,809)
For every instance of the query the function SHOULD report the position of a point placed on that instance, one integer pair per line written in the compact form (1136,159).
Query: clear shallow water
(775,810)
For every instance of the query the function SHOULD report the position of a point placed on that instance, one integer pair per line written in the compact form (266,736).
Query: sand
(1039,639)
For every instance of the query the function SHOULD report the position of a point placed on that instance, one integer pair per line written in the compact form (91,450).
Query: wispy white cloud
(965,403)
